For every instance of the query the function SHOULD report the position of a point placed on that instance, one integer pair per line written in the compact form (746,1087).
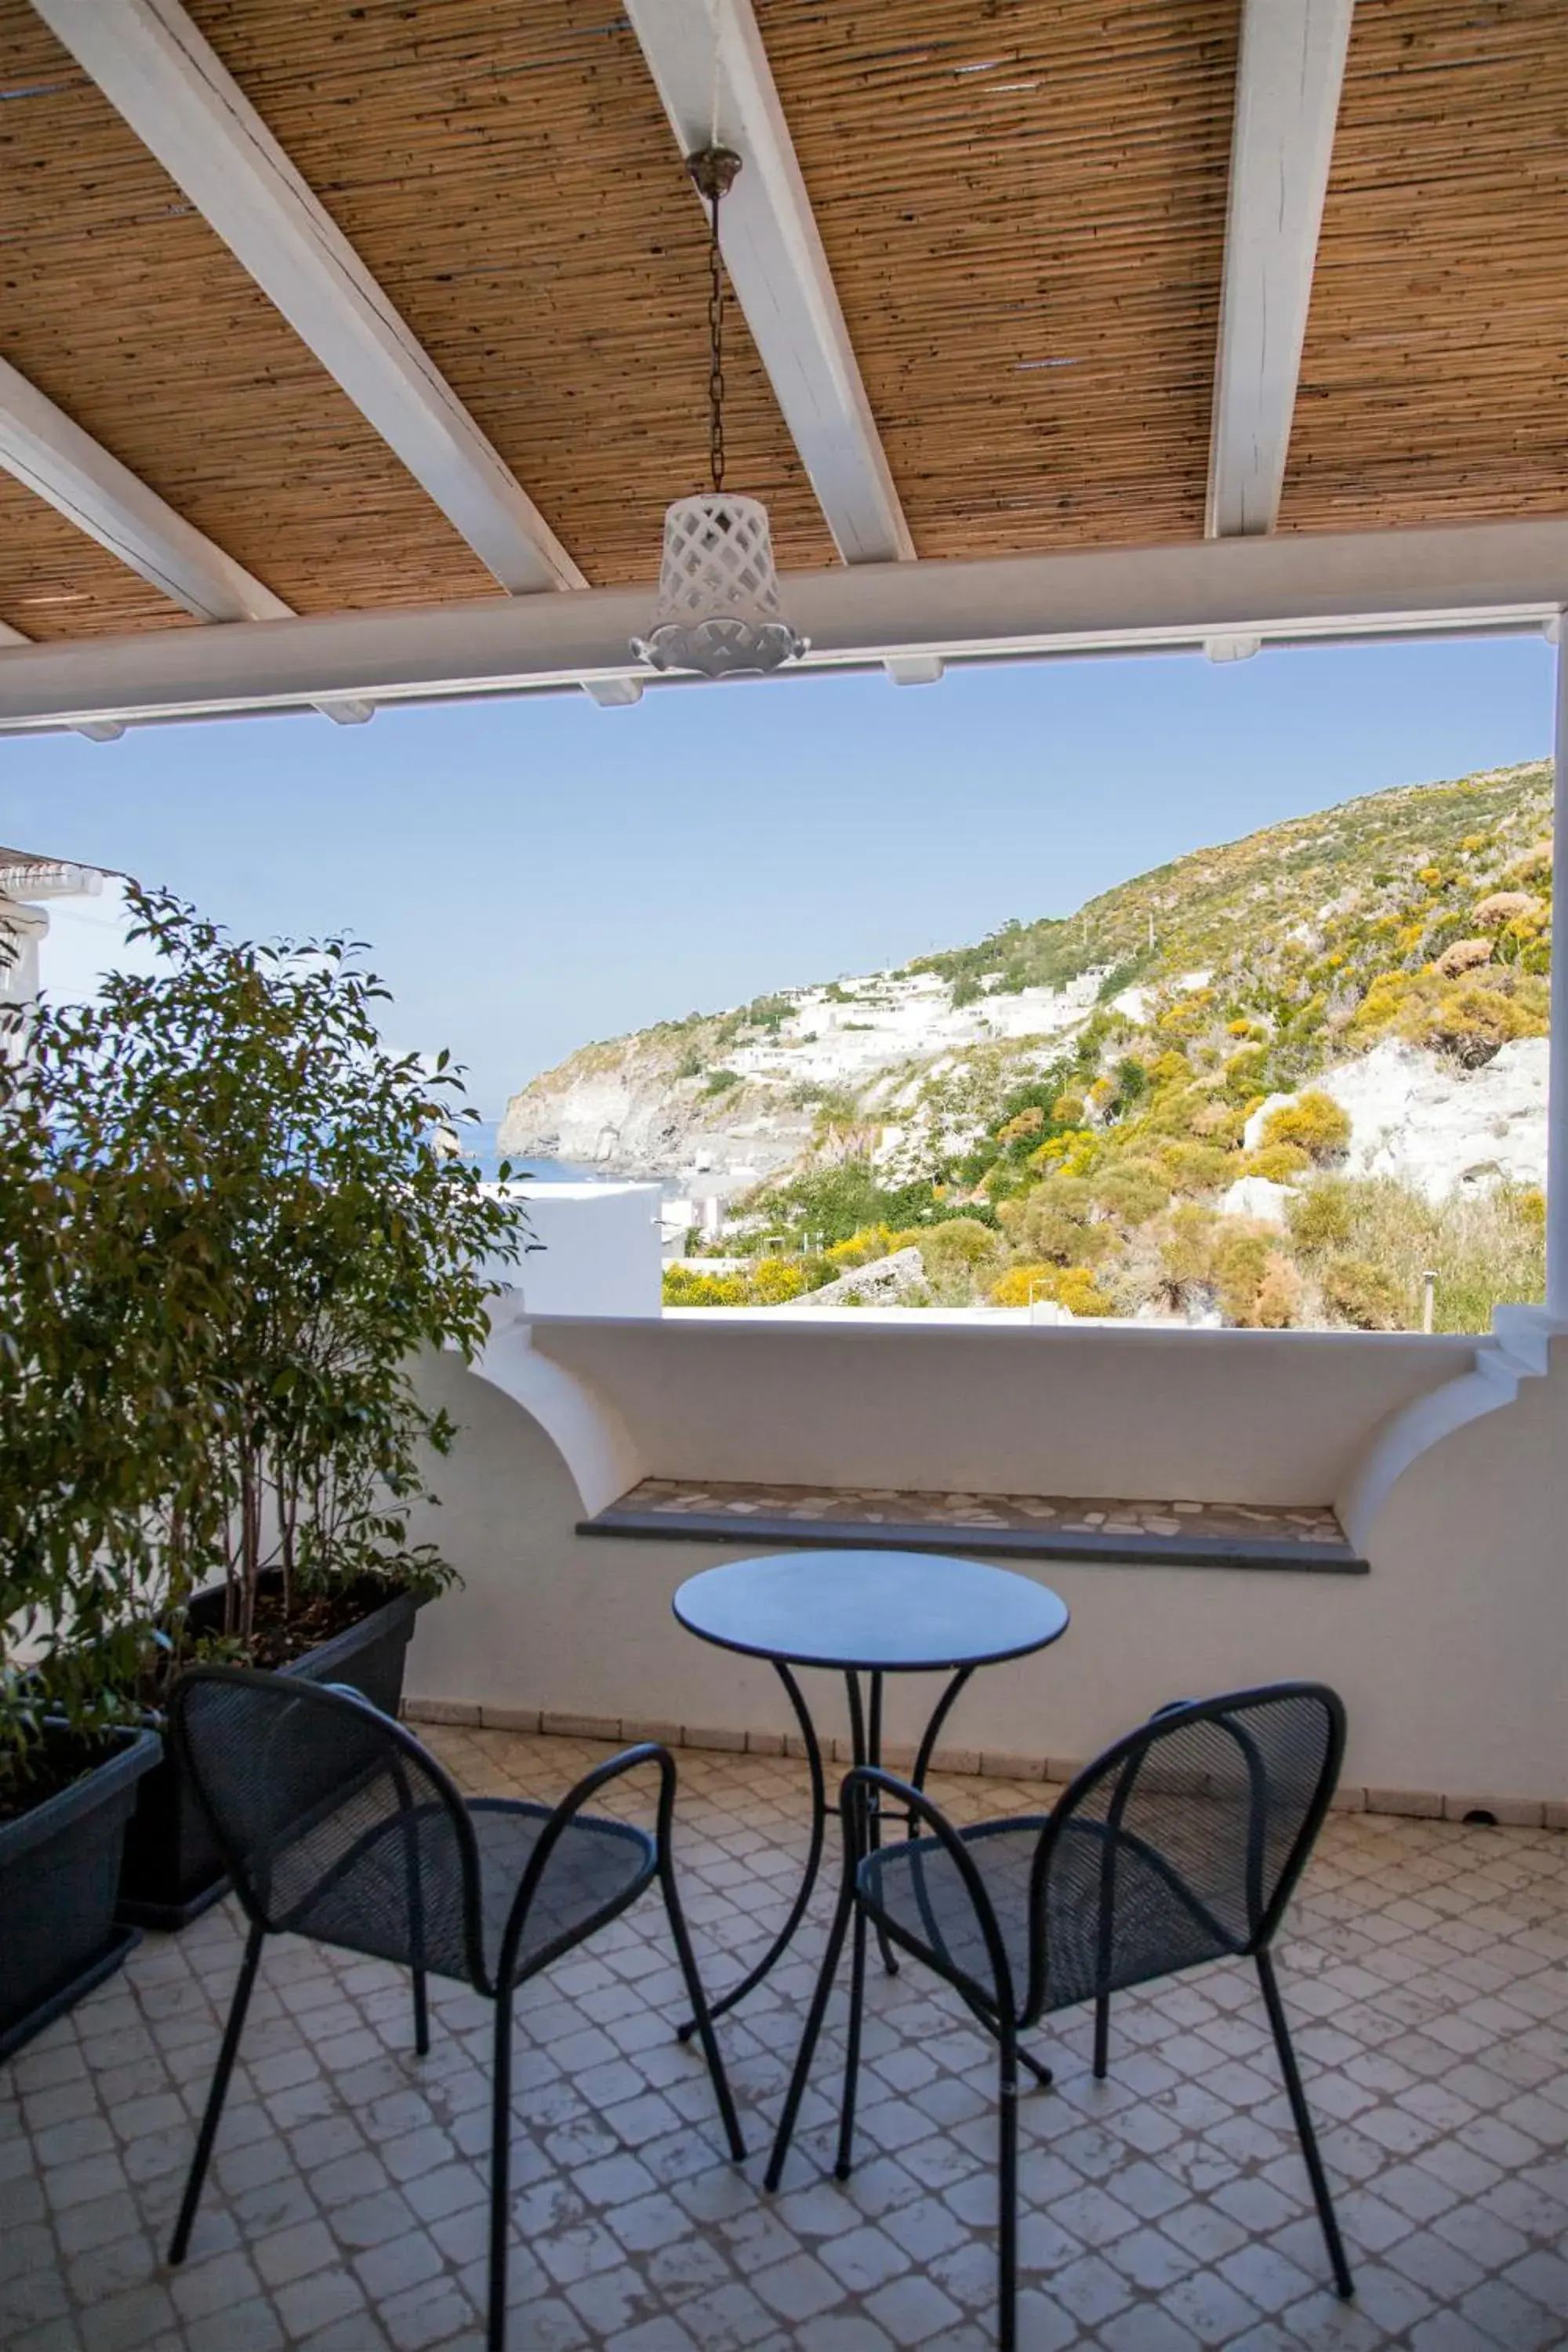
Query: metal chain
(716,335)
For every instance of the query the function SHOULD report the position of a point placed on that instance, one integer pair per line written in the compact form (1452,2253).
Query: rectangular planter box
(173,1871)
(59,1869)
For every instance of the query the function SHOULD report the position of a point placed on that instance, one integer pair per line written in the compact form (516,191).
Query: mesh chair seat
(335,1823)
(1181,1843)
(1161,1924)
(361,1898)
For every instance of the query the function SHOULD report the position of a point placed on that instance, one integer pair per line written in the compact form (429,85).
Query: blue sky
(534,874)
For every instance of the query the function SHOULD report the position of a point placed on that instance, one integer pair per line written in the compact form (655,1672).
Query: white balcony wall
(1448,1652)
(598,1249)
(878,1400)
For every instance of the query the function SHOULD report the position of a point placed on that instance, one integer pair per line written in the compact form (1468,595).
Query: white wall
(1449,1654)
(876,1400)
(600,1253)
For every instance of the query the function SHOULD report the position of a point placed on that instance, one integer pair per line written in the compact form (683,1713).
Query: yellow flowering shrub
(1314,1122)
(775,1280)
(1077,1291)
(1281,1163)
(1023,1283)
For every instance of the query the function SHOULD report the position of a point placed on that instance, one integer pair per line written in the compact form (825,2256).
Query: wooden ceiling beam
(712,72)
(1289,77)
(1287,588)
(168,82)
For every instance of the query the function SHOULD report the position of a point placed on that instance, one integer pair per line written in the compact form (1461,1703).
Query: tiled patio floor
(1426,1967)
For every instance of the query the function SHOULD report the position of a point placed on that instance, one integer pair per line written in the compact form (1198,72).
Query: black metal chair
(1182,1843)
(334,1822)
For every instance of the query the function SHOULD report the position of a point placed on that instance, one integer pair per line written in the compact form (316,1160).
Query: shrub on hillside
(1281,1163)
(870,1242)
(1022,1284)
(1186,1249)
(1077,1291)
(1361,1293)
(683,1287)
(1054,1221)
(1239,1263)
(959,1244)
(777,1279)
(1464,955)
(1471,1020)
(1277,1305)
(1131,1194)
(1193,1167)
(1314,1122)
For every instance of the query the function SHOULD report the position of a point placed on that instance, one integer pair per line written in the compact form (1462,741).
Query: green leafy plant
(229,1221)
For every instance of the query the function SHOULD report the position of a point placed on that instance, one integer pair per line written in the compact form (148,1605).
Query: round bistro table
(869,1613)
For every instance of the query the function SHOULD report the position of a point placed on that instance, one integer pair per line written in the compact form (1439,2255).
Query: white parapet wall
(1450,1652)
(599,1254)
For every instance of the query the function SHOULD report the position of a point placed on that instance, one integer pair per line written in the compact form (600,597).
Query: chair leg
(700,2011)
(1101,2035)
(1308,2138)
(421,2015)
(1008,2170)
(852,2046)
(500,2170)
(815,2016)
(217,2093)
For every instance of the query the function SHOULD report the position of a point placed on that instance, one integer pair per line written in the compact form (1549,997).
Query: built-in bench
(1035,1526)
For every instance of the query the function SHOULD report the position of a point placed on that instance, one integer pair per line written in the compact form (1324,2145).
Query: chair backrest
(332,1821)
(1183,1841)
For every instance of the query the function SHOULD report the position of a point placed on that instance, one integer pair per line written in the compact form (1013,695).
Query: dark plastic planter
(173,1871)
(60,1868)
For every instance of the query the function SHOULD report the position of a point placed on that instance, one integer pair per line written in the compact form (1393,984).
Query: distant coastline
(478,1142)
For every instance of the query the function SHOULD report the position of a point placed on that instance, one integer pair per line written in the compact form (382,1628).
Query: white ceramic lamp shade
(718,610)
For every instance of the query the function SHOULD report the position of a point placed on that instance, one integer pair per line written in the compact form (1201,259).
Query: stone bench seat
(1033,1526)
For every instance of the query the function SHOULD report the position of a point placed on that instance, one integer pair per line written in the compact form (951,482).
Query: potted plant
(283,1226)
(71,1538)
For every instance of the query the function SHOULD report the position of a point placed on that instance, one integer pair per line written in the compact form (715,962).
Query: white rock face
(880,1039)
(1255,1197)
(883,1282)
(1419,1118)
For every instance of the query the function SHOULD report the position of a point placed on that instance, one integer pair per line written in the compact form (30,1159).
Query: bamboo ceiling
(1431,385)
(1022,203)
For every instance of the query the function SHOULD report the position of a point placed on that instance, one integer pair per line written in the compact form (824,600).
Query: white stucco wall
(1451,1654)
(599,1250)
(878,1400)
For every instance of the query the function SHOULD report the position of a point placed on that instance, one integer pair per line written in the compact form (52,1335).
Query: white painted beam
(154,66)
(1287,588)
(1289,76)
(169,85)
(50,455)
(96,731)
(712,72)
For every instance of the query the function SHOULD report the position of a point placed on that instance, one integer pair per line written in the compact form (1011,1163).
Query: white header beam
(51,456)
(96,731)
(1288,587)
(1287,84)
(154,67)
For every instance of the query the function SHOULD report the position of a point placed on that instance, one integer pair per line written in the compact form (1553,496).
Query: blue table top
(876,1612)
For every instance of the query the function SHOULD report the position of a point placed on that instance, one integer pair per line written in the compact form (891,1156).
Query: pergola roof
(997,258)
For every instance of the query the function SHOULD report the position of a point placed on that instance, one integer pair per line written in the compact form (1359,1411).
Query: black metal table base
(866,1742)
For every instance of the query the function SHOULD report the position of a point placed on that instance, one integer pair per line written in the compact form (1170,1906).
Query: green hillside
(1095,1174)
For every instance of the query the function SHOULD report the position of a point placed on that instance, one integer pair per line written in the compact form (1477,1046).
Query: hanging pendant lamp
(718,609)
